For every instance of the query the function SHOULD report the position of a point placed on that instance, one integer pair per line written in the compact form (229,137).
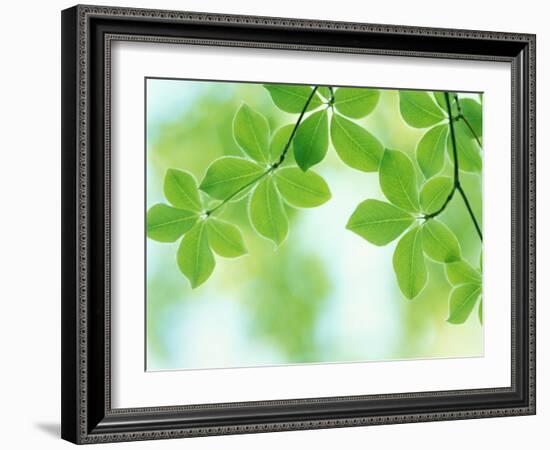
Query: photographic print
(301,224)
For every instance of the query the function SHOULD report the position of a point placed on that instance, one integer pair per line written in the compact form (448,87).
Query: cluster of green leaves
(411,213)
(265,175)
(259,175)
(354,144)
(185,218)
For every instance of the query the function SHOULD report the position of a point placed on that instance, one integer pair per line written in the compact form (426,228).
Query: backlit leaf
(379,222)
(225,239)
(302,189)
(434,193)
(229,174)
(419,109)
(472,113)
(409,264)
(355,102)
(311,140)
(439,242)
(398,180)
(195,258)
(430,151)
(462,302)
(291,98)
(279,141)
(167,224)
(251,132)
(180,189)
(460,272)
(267,213)
(325,92)
(355,146)
(468,151)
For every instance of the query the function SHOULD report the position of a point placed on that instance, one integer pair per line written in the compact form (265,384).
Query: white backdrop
(30,233)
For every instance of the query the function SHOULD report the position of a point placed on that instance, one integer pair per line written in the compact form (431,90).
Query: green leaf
(398,180)
(430,151)
(355,146)
(409,264)
(379,222)
(472,113)
(468,152)
(434,193)
(167,224)
(195,258)
(440,99)
(325,92)
(291,98)
(439,242)
(180,189)
(463,300)
(480,311)
(267,213)
(229,174)
(278,143)
(355,102)
(460,272)
(251,132)
(302,189)
(418,109)
(225,239)
(311,140)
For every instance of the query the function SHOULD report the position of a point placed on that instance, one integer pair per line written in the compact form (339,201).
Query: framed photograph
(282,224)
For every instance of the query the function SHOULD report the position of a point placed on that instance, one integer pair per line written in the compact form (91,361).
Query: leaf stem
(445,203)
(470,211)
(453,141)
(331,99)
(237,192)
(275,165)
(287,146)
(456,174)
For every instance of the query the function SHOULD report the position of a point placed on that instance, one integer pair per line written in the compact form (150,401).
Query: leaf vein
(301,186)
(355,98)
(427,111)
(184,192)
(227,180)
(254,134)
(355,142)
(403,186)
(171,222)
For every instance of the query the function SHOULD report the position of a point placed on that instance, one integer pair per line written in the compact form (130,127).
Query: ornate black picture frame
(87,34)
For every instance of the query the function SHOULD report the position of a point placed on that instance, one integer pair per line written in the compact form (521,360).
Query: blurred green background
(325,295)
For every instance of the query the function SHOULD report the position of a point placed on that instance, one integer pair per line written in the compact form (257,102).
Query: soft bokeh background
(325,295)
